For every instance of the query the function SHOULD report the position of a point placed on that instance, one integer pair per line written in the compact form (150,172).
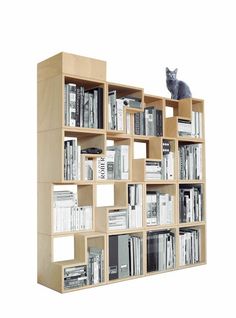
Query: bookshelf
(154,215)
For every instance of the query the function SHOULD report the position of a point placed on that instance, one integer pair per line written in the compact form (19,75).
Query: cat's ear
(167,70)
(176,70)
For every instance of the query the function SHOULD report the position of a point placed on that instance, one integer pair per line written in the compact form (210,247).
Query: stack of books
(153,170)
(75,277)
(118,219)
(83,108)
(189,242)
(160,251)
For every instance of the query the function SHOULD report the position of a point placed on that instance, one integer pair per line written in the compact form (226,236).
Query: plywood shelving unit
(53,74)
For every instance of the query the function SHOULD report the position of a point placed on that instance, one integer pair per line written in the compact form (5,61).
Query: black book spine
(137,123)
(161,124)
(100,107)
(113,257)
(77,107)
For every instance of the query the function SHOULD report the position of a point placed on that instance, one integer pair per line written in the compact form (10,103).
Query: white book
(128,123)
(120,114)
(101,168)
(124,157)
(200,125)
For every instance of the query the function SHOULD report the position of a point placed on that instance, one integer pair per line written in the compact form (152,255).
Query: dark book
(100,107)
(77,108)
(113,257)
(137,123)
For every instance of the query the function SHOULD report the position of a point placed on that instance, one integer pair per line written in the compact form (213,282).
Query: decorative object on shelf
(91,150)
(178,89)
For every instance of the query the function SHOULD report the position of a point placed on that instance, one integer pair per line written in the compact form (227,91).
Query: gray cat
(178,89)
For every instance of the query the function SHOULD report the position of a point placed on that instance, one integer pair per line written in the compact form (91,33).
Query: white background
(138,39)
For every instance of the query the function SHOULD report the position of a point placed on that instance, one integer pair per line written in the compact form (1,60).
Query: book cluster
(124,256)
(190,203)
(190,161)
(160,251)
(149,122)
(68,216)
(83,108)
(191,128)
(189,241)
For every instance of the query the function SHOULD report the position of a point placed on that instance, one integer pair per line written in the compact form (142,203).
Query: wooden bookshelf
(53,74)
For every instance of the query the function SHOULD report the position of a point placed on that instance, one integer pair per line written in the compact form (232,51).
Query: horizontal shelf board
(113,181)
(71,78)
(84,130)
(125,86)
(190,181)
(69,263)
(124,279)
(150,98)
(71,232)
(126,231)
(116,136)
(117,132)
(161,272)
(160,227)
(160,182)
(191,139)
(82,287)
(77,182)
(142,137)
(191,224)
(134,110)
(191,265)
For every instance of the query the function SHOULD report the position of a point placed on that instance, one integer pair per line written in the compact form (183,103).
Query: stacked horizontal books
(118,219)
(190,161)
(135,205)
(153,170)
(190,203)
(159,207)
(83,108)
(68,216)
(168,161)
(95,265)
(75,277)
(116,109)
(115,165)
(184,128)
(189,242)
(160,251)
(72,161)
(149,122)
(124,256)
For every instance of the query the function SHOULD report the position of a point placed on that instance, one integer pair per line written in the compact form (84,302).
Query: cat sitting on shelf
(178,89)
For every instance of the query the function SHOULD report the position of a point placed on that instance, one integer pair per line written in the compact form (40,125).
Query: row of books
(190,204)
(83,108)
(116,109)
(115,165)
(191,128)
(189,242)
(149,122)
(190,161)
(68,216)
(95,265)
(124,256)
(160,251)
(159,208)
(72,159)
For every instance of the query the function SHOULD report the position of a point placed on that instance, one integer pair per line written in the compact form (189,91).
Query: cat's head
(171,75)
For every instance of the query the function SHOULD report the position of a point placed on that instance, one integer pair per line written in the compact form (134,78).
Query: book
(75,277)
(95,265)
